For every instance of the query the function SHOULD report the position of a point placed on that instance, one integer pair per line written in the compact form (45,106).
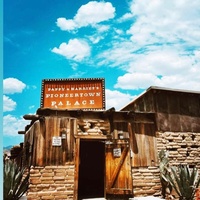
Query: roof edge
(160,88)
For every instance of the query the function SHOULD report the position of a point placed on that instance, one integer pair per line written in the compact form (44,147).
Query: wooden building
(176,110)
(79,154)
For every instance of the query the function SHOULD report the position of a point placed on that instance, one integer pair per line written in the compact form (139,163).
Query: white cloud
(75,49)
(162,49)
(136,81)
(119,55)
(8,104)
(89,14)
(117,99)
(95,38)
(12,124)
(100,34)
(166,68)
(162,61)
(165,21)
(66,25)
(13,85)
(125,17)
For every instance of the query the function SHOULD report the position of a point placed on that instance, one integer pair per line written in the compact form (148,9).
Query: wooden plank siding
(175,110)
(143,144)
(38,138)
(28,145)
(38,141)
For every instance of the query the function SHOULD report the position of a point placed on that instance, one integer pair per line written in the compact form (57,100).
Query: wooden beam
(21,132)
(102,137)
(31,117)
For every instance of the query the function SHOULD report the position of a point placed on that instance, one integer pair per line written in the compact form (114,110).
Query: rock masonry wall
(51,182)
(146,181)
(184,148)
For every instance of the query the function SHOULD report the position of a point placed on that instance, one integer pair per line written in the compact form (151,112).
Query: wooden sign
(86,94)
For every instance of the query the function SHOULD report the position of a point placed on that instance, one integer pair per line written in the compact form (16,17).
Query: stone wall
(146,181)
(184,148)
(51,182)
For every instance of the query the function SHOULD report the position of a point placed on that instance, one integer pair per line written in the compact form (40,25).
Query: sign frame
(80,93)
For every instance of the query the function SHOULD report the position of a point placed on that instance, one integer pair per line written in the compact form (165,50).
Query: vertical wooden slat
(39,142)
(68,139)
(50,132)
(108,164)
(143,144)
(47,142)
(76,172)
(64,131)
(57,133)
(72,129)
(43,138)
(44,153)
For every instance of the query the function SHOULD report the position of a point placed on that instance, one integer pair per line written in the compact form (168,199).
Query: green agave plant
(164,170)
(184,181)
(15,181)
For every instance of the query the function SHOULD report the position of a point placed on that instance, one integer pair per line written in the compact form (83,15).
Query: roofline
(172,89)
(160,88)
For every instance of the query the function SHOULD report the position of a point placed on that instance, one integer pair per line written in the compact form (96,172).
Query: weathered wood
(133,141)
(21,132)
(88,114)
(28,147)
(176,110)
(76,174)
(42,133)
(143,144)
(31,117)
(123,180)
(117,169)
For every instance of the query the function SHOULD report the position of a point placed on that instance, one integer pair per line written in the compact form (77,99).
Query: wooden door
(118,168)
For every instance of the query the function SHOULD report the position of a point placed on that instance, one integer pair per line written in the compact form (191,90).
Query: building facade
(78,154)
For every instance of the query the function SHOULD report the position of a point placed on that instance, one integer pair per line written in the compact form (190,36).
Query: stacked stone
(93,127)
(146,181)
(184,148)
(51,182)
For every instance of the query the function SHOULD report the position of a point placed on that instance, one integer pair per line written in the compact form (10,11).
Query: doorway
(91,169)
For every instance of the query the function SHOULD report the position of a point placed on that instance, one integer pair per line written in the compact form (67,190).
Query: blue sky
(132,44)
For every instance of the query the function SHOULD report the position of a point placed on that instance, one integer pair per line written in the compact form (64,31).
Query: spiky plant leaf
(173,180)
(23,187)
(184,181)
(15,181)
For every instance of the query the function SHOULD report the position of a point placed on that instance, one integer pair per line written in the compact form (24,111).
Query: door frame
(77,161)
